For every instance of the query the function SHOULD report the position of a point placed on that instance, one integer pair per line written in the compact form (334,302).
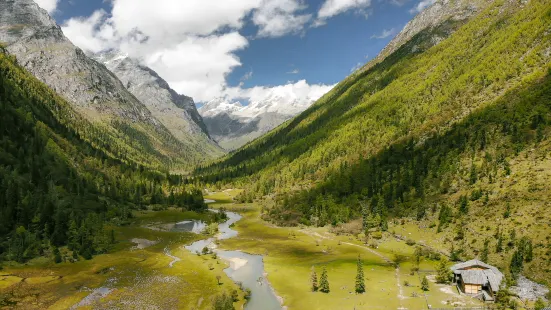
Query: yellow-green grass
(291,253)
(223,197)
(143,277)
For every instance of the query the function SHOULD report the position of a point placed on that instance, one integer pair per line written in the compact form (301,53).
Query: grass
(140,278)
(291,253)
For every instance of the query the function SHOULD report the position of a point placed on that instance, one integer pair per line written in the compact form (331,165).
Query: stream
(245,268)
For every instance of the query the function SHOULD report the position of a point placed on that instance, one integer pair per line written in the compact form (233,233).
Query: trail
(376,253)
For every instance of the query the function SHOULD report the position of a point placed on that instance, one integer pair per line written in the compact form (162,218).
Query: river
(245,268)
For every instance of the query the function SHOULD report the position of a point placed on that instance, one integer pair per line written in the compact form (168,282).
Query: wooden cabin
(477,279)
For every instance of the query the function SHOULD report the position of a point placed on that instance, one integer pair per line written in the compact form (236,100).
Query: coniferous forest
(56,188)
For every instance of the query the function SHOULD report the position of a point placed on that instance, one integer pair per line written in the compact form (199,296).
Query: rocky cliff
(29,33)
(176,112)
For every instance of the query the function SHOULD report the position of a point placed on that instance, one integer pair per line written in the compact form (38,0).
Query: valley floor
(152,269)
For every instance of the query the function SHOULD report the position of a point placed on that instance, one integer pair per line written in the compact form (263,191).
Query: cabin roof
(486,275)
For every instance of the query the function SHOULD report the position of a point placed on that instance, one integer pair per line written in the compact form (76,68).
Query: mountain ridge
(177,112)
(29,33)
(233,124)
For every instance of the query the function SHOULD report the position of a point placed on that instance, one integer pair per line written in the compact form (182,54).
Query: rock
(530,290)
(176,112)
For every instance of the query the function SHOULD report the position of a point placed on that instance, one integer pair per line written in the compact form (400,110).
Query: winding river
(245,268)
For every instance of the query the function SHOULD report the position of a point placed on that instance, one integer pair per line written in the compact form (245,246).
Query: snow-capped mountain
(233,124)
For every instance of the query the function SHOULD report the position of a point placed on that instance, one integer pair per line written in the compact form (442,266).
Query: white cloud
(294,71)
(198,66)
(192,44)
(291,98)
(385,34)
(421,6)
(276,18)
(247,76)
(91,34)
(331,8)
(48,5)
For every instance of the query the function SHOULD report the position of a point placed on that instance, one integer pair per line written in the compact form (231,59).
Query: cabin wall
(472,288)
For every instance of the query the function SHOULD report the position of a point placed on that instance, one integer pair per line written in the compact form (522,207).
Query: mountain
(176,112)
(58,189)
(233,125)
(29,33)
(448,129)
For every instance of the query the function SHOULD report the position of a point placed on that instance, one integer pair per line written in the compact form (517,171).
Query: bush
(377,235)
(410,242)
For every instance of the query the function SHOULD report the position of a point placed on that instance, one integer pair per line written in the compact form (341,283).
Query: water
(189,226)
(245,268)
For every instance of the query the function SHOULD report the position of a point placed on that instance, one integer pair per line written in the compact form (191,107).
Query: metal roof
(489,275)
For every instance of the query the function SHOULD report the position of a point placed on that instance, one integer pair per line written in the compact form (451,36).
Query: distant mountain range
(232,124)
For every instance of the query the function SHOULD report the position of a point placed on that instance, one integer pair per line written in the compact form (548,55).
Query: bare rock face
(37,41)
(29,33)
(176,112)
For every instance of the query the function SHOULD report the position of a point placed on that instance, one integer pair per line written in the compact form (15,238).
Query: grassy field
(139,278)
(291,253)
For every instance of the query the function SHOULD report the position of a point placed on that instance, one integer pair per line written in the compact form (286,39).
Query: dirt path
(376,253)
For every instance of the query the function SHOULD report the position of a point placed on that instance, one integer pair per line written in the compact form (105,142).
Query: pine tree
(314,280)
(485,251)
(443,273)
(360,282)
(425,284)
(57,256)
(324,281)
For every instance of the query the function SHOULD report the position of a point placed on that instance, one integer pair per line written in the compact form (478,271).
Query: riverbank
(246,270)
(134,273)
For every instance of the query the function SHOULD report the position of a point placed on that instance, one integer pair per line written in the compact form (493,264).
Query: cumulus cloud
(48,5)
(421,6)
(290,98)
(331,8)
(385,34)
(192,44)
(276,18)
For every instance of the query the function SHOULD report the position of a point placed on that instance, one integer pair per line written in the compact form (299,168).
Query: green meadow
(139,278)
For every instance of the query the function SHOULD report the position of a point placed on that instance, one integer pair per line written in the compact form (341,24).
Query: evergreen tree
(443,272)
(485,251)
(425,284)
(516,263)
(324,281)
(314,280)
(57,256)
(528,251)
(463,205)
(360,282)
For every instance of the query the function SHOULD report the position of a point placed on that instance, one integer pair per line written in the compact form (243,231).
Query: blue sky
(228,48)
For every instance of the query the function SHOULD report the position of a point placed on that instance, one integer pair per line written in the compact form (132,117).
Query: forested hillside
(56,188)
(451,130)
